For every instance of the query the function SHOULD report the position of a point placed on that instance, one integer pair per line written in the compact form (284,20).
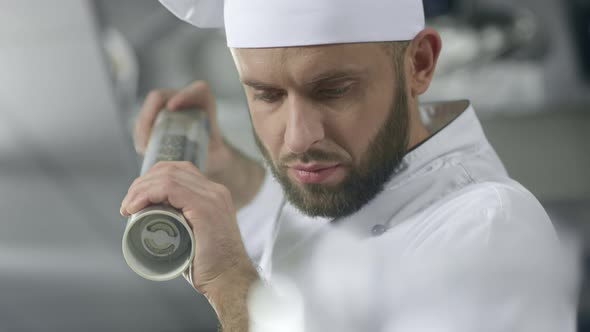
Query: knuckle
(156,96)
(140,196)
(133,185)
(221,191)
(135,181)
(225,192)
(157,166)
(165,166)
(170,170)
(186,164)
(201,89)
(131,192)
(201,85)
(168,183)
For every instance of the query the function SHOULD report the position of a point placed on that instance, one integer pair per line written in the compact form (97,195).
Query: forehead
(258,63)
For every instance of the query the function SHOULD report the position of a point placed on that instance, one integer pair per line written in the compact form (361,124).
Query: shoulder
(487,254)
(505,202)
(483,214)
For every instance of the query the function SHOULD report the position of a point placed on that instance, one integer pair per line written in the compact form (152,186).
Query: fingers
(199,95)
(156,194)
(163,174)
(178,183)
(154,103)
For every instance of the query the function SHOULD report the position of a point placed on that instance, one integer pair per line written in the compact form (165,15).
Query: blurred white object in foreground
(275,307)
(515,284)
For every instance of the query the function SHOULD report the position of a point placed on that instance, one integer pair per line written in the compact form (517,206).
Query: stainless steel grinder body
(158,243)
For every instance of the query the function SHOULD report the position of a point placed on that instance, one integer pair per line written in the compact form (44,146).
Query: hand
(224,164)
(197,95)
(220,259)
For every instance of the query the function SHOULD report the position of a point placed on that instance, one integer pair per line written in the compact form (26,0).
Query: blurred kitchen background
(73,74)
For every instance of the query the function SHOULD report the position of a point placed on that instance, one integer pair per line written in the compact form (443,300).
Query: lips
(312,167)
(315,173)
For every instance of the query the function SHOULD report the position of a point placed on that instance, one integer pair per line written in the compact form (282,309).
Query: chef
(378,214)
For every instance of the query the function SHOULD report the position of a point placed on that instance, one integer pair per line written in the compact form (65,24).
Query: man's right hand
(197,95)
(224,164)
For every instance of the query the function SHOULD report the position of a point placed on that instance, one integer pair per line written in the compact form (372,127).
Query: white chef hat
(282,23)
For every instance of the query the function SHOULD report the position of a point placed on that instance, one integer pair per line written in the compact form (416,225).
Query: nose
(304,126)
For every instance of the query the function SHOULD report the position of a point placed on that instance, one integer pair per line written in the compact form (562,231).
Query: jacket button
(378,230)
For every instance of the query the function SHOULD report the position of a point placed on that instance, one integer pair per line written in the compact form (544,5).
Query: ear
(423,55)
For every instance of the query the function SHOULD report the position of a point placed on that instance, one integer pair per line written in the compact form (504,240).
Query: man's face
(331,121)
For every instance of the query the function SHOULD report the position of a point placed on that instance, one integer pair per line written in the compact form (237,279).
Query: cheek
(349,135)
(355,131)
(268,128)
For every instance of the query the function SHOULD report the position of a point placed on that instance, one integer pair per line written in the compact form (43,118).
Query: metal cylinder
(158,243)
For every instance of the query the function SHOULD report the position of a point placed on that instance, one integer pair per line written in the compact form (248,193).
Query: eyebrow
(336,74)
(258,85)
(330,75)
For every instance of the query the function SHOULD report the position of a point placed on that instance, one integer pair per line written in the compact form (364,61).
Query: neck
(418,131)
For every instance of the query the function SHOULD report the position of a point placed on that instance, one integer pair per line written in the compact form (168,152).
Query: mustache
(311,155)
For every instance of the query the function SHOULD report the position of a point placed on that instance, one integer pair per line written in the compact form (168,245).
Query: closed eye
(268,95)
(335,92)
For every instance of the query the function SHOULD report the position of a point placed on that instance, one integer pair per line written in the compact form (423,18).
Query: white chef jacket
(451,244)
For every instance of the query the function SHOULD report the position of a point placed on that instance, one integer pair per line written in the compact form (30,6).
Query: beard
(363,181)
